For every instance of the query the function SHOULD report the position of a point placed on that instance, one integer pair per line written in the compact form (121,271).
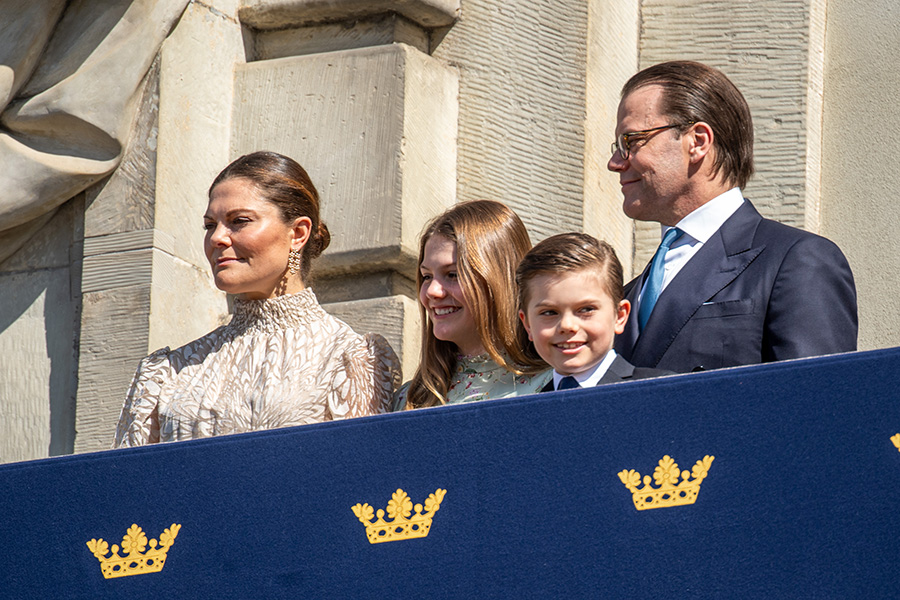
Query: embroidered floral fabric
(278,363)
(481,378)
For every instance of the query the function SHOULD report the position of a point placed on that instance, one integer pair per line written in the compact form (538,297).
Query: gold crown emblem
(402,526)
(135,561)
(896,440)
(670,492)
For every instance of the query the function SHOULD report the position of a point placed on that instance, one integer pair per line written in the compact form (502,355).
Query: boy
(571,302)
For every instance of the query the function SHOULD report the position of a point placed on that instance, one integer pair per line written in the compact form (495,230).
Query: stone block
(360,286)
(111,346)
(184,302)
(330,37)
(119,260)
(522,108)
(280,14)
(376,130)
(860,173)
(195,102)
(780,78)
(39,311)
(612,57)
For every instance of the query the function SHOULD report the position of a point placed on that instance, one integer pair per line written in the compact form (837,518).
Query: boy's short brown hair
(568,252)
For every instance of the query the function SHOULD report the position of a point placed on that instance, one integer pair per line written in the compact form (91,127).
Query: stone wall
(539,87)
(39,329)
(860,166)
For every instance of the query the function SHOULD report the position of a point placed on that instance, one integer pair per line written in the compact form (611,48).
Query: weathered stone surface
(38,340)
(52,246)
(522,107)
(116,254)
(860,170)
(279,14)
(124,203)
(330,37)
(376,130)
(31,302)
(377,284)
(111,346)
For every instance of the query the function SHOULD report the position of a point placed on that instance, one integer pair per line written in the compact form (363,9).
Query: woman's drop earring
(294,261)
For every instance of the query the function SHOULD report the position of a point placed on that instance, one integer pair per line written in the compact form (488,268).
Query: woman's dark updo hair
(284,183)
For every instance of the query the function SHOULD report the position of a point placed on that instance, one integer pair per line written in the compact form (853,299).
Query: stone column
(861,145)
(373,118)
(612,57)
(145,281)
(38,339)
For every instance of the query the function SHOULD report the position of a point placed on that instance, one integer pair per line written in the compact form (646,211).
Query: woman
(282,360)
(473,345)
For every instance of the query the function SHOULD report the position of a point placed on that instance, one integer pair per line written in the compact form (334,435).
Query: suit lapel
(721,259)
(627,340)
(619,369)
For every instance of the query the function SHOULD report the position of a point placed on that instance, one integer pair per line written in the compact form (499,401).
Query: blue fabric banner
(798,499)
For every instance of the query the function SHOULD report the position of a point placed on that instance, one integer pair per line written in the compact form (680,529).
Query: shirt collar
(704,221)
(591,377)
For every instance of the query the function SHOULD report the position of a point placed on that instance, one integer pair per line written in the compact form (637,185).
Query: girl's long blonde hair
(490,241)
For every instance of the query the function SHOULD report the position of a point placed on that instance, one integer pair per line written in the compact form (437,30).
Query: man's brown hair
(694,92)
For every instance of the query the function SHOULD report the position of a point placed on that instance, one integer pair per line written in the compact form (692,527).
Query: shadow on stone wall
(40,312)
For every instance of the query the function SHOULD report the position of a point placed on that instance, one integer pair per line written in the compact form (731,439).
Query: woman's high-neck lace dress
(279,362)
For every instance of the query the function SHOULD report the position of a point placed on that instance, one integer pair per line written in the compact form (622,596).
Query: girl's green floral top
(480,378)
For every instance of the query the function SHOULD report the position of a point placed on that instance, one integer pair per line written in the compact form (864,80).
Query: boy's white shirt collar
(590,377)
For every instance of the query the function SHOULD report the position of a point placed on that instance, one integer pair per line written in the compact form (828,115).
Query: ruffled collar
(275,314)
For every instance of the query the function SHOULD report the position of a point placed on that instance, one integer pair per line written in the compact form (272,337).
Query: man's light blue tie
(568,383)
(653,286)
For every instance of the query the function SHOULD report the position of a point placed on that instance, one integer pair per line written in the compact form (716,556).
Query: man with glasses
(726,286)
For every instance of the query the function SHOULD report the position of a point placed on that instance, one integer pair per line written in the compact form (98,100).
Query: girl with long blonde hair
(473,345)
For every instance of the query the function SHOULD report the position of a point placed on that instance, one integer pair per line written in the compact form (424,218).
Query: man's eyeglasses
(623,140)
